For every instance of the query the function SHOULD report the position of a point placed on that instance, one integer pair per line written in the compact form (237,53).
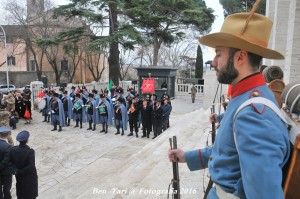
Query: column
(270,13)
(292,60)
(280,30)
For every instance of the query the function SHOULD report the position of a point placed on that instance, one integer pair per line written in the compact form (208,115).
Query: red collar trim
(247,84)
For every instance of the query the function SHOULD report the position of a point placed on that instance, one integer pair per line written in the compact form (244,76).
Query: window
(9,40)
(64,64)
(11,60)
(32,66)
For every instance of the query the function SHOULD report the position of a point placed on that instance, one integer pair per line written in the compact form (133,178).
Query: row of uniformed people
(62,110)
(152,113)
(102,111)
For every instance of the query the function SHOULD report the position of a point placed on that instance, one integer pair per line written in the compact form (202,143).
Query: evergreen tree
(105,14)
(199,63)
(235,6)
(165,21)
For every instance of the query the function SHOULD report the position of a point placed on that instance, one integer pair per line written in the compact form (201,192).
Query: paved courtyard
(77,163)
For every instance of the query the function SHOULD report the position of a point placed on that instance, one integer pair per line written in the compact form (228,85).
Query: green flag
(110,84)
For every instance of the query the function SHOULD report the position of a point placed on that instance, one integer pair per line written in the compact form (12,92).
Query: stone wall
(22,78)
(19,79)
(285,36)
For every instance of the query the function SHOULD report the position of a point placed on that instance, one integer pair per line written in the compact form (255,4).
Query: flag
(148,85)
(110,84)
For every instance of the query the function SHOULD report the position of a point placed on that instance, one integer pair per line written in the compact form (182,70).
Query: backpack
(290,171)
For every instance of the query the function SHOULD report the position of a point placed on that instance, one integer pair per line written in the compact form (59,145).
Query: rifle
(175,180)
(213,136)
(223,101)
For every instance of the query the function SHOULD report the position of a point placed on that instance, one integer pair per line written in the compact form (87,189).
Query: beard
(228,73)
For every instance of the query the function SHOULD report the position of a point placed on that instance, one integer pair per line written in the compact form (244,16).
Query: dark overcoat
(23,158)
(146,116)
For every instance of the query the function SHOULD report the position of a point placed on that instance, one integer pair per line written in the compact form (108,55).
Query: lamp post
(7,77)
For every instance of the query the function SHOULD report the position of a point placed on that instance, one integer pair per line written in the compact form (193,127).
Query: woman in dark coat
(23,158)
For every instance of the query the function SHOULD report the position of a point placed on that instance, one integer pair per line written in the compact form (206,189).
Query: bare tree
(177,50)
(16,42)
(41,35)
(127,60)
(146,54)
(30,32)
(92,60)
(75,52)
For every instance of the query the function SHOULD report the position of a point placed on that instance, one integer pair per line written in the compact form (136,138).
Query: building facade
(24,55)
(285,36)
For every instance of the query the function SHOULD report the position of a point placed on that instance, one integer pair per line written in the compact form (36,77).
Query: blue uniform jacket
(109,111)
(82,107)
(251,168)
(108,98)
(96,119)
(124,116)
(97,99)
(61,114)
(70,105)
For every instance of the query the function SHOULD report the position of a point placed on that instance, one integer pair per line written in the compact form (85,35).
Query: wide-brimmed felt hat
(245,31)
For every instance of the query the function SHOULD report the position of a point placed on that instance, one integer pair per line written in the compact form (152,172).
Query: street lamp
(4,36)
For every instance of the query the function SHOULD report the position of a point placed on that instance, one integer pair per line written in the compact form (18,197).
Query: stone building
(285,36)
(22,61)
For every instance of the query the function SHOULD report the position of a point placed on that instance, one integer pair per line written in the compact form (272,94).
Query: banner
(110,84)
(148,85)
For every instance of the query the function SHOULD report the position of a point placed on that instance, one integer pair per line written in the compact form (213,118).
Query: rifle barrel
(175,173)
(213,126)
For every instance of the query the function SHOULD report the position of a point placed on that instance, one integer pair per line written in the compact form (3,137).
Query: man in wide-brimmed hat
(251,147)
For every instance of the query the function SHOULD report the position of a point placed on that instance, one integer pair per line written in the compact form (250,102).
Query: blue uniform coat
(95,113)
(83,116)
(108,98)
(109,112)
(97,99)
(61,114)
(47,108)
(251,167)
(124,116)
(70,105)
